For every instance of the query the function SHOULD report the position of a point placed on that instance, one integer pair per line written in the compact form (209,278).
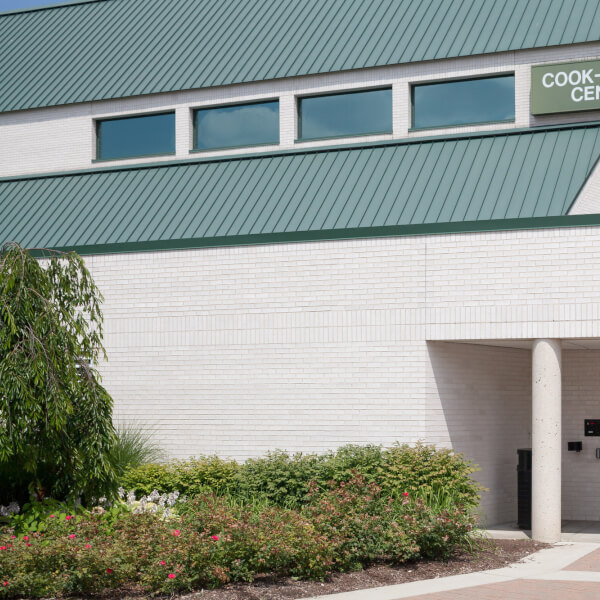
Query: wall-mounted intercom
(592,427)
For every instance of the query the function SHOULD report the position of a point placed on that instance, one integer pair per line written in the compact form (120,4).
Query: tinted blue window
(136,136)
(464,102)
(339,115)
(240,125)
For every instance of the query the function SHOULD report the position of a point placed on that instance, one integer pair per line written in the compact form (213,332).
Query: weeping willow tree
(56,430)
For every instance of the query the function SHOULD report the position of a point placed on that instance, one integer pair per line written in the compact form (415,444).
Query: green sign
(565,87)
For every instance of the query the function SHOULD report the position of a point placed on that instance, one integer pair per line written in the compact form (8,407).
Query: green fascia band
(336,234)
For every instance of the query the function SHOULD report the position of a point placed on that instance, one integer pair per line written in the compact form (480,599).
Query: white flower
(154,496)
(130,498)
(121,493)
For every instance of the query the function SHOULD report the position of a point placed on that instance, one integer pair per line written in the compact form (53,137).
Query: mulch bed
(499,554)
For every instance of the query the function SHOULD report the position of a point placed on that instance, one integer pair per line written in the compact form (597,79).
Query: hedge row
(283,479)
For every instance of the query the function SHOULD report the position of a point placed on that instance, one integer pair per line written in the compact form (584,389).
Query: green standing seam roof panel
(98,49)
(369,189)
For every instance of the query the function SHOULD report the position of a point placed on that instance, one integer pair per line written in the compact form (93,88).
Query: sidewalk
(567,570)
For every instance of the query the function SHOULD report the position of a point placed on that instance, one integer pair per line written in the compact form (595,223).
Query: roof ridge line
(47,7)
(305,151)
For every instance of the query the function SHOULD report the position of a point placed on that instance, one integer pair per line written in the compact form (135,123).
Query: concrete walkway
(567,570)
(572,531)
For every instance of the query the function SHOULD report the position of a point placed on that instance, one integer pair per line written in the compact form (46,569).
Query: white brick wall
(62,138)
(312,345)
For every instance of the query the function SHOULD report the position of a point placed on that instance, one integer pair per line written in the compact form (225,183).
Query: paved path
(566,571)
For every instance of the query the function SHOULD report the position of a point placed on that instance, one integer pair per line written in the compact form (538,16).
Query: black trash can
(524,488)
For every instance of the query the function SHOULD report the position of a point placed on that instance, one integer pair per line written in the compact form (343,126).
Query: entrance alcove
(479,402)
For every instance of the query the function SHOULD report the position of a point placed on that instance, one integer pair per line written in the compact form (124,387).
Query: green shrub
(284,479)
(347,461)
(280,477)
(190,477)
(428,471)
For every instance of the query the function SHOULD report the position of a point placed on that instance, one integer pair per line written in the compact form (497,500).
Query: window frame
(299,139)
(98,145)
(416,84)
(196,109)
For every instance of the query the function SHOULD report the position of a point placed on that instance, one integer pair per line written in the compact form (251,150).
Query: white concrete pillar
(546,441)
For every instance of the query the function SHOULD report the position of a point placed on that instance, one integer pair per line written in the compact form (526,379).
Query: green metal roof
(313,194)
(99,49)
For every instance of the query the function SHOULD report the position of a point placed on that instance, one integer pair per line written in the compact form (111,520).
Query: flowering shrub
(364,525)
(212,540)
(440,532)
(85,555)
(260,539)
(211,544)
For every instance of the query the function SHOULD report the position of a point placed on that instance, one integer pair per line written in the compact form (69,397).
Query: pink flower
(109,571)
(5,583)
(163,563)
(28,544)
(72,536)
(171,575)
(215,537)
(88,545)
(176,532)
(52,516)
(69,517)
(2,547)
(406,494)
(25,537)
(13,537)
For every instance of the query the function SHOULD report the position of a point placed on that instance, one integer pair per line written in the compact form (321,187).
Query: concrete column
(546,441)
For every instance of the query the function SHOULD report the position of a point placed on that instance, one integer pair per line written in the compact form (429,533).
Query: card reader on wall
(574,446)
(592,427)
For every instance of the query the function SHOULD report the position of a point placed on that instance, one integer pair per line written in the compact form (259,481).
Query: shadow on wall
(479,403)
(580,470)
